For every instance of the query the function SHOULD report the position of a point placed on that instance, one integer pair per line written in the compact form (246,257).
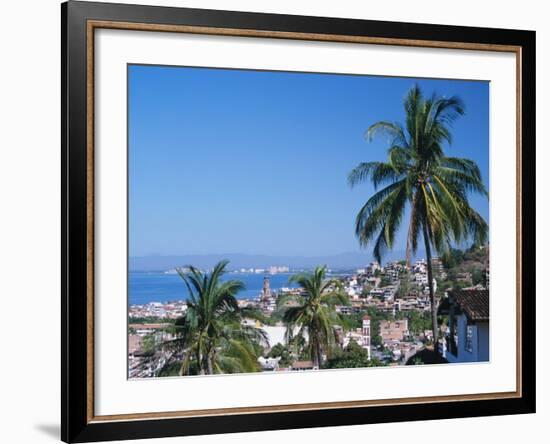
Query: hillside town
(385,320)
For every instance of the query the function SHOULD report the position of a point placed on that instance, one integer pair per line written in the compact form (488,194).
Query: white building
(376,293)
(366,334)
(276,334)
(468,336)
(269,364)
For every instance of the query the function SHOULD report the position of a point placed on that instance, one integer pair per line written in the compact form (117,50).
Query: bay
(146,287)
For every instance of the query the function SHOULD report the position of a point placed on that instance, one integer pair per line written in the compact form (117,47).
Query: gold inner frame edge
(97,24)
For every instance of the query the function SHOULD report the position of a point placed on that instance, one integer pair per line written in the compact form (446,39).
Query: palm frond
(378,172)
(393,130)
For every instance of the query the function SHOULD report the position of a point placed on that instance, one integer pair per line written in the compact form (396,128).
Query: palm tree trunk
(409,234)
(435,330)
(210,366)
(200,364)
(319,355)
(315,352)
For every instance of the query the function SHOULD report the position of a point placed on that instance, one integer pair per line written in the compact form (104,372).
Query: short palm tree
(211,334)
(419,175)
(312,312)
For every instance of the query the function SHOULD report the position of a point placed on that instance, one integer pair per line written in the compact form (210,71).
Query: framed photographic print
(276,221)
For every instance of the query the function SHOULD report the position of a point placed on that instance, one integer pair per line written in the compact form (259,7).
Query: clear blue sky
(234,161)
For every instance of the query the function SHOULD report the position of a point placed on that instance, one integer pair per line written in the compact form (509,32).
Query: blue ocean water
(145,287)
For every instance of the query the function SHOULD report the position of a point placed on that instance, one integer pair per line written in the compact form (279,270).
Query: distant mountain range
(237,260)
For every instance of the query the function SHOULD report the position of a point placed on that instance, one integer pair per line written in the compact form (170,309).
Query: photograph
(235,221)
(283,221)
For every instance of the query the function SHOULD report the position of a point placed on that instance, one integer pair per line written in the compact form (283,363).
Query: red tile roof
(150,326)
(474,303)
(302,364)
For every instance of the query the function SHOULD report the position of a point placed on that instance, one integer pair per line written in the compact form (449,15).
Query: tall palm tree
(211,335)
(312,312)
(419,176)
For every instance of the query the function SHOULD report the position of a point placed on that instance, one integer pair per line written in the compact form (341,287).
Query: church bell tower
(266,291)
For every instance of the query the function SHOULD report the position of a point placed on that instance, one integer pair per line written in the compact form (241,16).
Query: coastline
(163,287)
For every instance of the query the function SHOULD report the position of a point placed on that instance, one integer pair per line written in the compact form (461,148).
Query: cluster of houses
(145,360)
(396,346)
(170,310)
(464,338)
(365,288)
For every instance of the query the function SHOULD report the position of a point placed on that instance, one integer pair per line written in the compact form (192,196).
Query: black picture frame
(76,424)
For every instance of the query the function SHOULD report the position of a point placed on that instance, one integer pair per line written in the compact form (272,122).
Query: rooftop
(302,364)
(149,326)
(474,303)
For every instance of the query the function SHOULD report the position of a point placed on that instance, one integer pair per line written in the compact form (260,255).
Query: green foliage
(275,317)
(476,253)
(279,350)
(148,343)
(355,320)
(417,173)
(366,290)
(472,260)
(350,321)
(452,258)
(418,322)
(353,356)
(172,368)
(478,277)
(376,339)
(419,176)
(258,315)
(211,335)
(404,287)
(313,311)
(444,285)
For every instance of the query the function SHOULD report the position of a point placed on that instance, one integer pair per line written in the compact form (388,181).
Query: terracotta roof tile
(150,326)
(302,364)
(474,303)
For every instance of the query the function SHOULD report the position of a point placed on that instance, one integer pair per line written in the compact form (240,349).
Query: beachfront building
(467,339)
